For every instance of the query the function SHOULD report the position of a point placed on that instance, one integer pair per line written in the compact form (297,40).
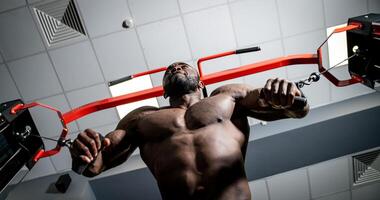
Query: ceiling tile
(8,88)
(102,17)
(210,31)
(191,5)
(35,77)
(374,6)
(104,130)
(33,1)
(269,50)
(157,78)
(164,42)
(300,16)
(318,94)
(145,11)
(119,54)
(289,186)
(338,11)
(220,64)
(83,96)
(62,160)
(367,192)
(47,121)
(342,93)
(10,4)
(162,102)
(19,36)
(310,43)
(43,167)
(248,17)
(340,196)
(329,177)
(258,190)
(76,66)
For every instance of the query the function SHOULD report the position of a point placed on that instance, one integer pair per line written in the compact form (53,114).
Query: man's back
(196,153)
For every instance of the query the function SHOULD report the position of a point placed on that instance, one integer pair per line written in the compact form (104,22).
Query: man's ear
(201,85)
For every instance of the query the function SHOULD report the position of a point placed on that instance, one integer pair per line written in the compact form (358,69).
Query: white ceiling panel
(220,64)
(342,93)
(289,186)
(269,50)
(47,121)
(75,61)
(340,196)
(304,43)
(164,42)
(19,36)
(210,31)
(250,24)
(318,94)
(329,177)
(10,4)
(374,6)
(367,192)
(145,11)
(102,17)
(87,95)
(8,88)
(62,160)
(43,167)
(191,5)
(35,77)
(258,190)
(300,16)
(338,11)
(162,101)
(104,130)
(119,54)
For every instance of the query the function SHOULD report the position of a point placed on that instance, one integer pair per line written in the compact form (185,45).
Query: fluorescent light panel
(134,85)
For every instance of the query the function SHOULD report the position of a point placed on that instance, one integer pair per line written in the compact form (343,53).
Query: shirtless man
(195,148)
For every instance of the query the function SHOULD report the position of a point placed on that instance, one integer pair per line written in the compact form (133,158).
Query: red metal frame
(207,79)
(327,74)
(42,153)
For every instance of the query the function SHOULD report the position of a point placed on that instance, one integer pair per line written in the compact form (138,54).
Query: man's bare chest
(168,121)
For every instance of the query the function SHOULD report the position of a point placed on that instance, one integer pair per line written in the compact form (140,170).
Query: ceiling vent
(59,21)
(366,167)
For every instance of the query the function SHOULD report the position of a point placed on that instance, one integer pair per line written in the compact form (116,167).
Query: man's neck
(184,101)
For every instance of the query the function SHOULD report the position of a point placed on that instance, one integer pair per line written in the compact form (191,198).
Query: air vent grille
(366,167)
(59,21)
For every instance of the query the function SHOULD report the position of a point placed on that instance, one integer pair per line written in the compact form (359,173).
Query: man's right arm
(113,150)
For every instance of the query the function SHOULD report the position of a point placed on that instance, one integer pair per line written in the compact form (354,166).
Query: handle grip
(299,101)
(120,80)
(79,167)
(247,50)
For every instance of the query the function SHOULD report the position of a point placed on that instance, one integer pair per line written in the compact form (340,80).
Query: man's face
(179,79)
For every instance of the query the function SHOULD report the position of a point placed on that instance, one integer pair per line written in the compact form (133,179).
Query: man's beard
(180,85)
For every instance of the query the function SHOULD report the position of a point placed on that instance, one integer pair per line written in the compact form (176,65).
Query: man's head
(180,79)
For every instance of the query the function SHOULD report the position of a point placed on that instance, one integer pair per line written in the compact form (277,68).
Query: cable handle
(80,166)
(299,101)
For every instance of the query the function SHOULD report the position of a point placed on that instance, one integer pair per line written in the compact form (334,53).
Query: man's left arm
(272,102)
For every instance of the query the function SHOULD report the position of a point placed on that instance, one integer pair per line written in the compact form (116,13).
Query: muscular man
(195,148)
